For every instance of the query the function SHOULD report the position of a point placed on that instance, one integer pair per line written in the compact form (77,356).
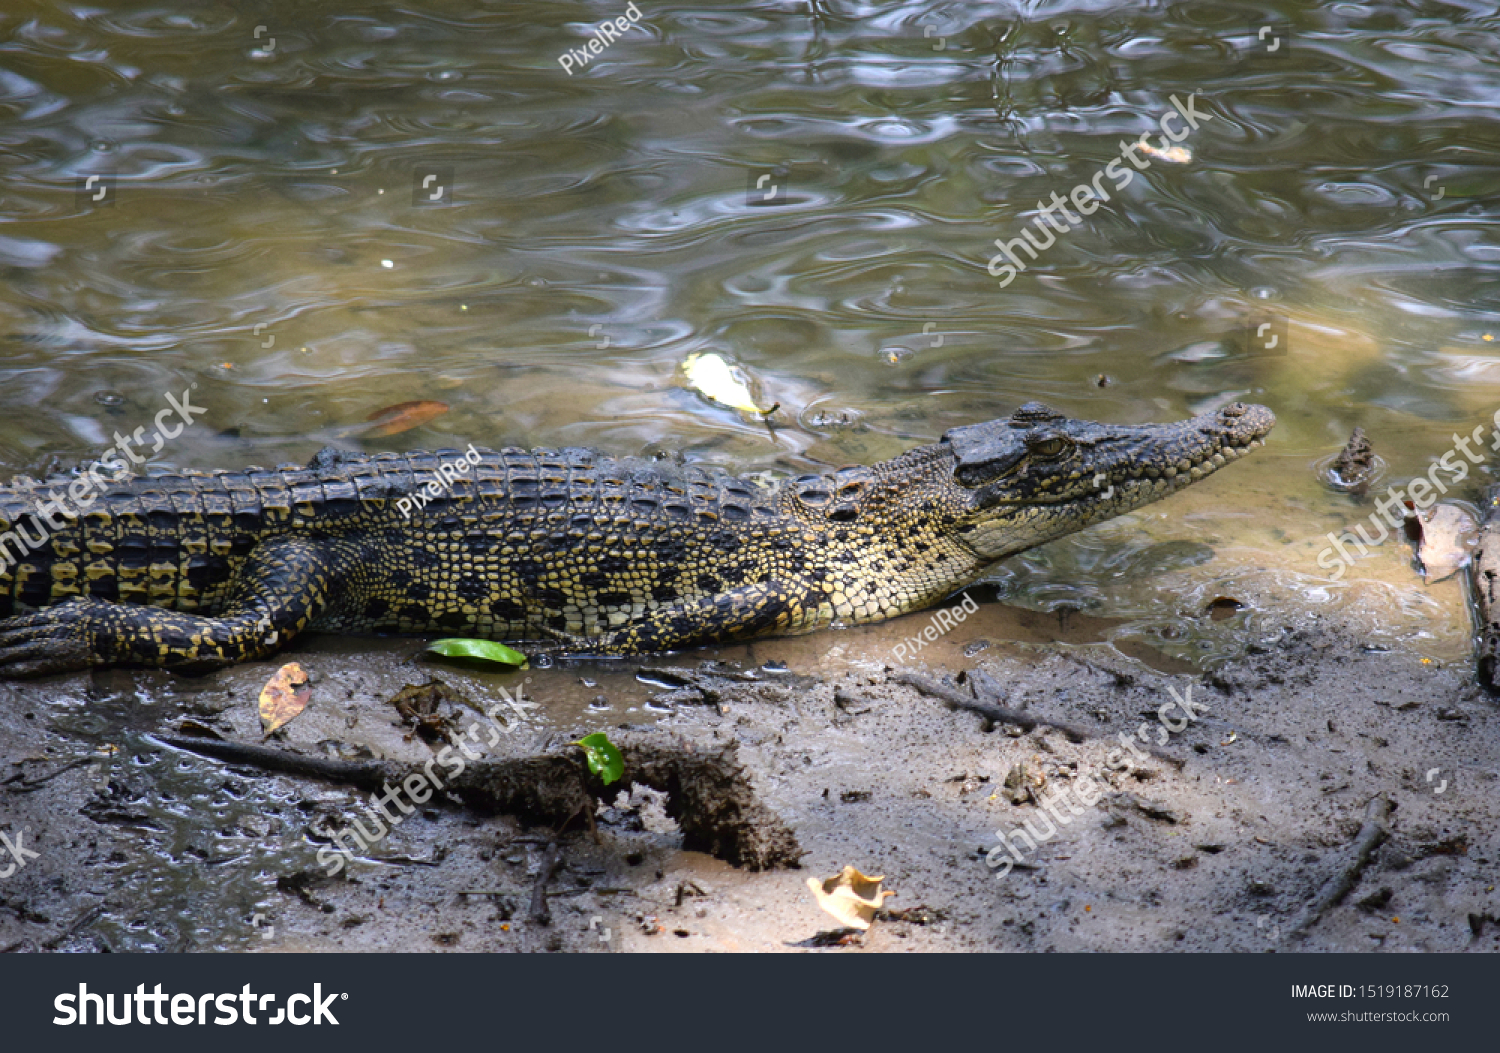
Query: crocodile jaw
(1112,470)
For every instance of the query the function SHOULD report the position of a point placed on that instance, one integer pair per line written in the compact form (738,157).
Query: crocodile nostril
(1234,409)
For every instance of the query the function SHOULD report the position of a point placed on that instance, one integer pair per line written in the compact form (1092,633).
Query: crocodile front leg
(283,585)
(751,610)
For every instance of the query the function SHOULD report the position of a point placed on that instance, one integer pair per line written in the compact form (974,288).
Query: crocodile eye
(1049,447)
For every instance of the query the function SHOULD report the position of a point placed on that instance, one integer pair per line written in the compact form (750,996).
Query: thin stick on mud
(83,921)
(1372,834)
(551,862)
(1002,715)
(987,688)
(22,785)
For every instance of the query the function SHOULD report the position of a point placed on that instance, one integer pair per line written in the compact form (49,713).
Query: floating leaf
(603,756)
(851,897)
(714,378)
(483,650)
(403,416)
(1178,155)
(284,696)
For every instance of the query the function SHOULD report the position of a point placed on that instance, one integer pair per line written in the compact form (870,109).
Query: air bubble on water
(109,398)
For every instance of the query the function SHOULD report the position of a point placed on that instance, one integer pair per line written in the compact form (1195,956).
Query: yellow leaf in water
(850,896)
(1178,155)
(714,378)
(284,696)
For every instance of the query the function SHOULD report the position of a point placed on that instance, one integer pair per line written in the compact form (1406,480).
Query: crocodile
(194,571)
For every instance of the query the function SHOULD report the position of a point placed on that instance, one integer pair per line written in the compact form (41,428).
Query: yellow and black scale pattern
(195,571)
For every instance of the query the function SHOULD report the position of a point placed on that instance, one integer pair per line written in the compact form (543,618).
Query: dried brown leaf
(284,696)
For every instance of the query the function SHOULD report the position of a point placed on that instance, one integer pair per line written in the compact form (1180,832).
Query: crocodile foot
(55,640)
(568,645)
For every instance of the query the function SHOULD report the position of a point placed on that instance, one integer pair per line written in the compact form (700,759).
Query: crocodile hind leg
(752,610)
(282,586)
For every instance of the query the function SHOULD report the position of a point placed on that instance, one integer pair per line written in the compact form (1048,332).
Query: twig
(550,864)
(1484,575)
(988,689)
(1000,714)
(692,677)
(26,786)
(369,774)
(1372,834)
(83,920)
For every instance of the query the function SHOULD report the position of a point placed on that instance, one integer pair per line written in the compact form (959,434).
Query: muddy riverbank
(1217,840)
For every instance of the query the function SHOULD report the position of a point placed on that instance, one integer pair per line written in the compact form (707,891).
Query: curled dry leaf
(403,416)
(1448,537)
(284,696)
(851,897)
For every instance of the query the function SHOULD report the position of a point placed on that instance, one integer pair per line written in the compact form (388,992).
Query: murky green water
(241,197)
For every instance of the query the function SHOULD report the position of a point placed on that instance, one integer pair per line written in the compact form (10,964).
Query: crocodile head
(1040,475)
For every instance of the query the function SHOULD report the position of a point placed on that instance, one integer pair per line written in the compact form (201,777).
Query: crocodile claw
(569,645)
(56,640)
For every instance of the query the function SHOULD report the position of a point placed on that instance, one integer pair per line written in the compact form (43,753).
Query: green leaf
(603,756)
(483,650)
